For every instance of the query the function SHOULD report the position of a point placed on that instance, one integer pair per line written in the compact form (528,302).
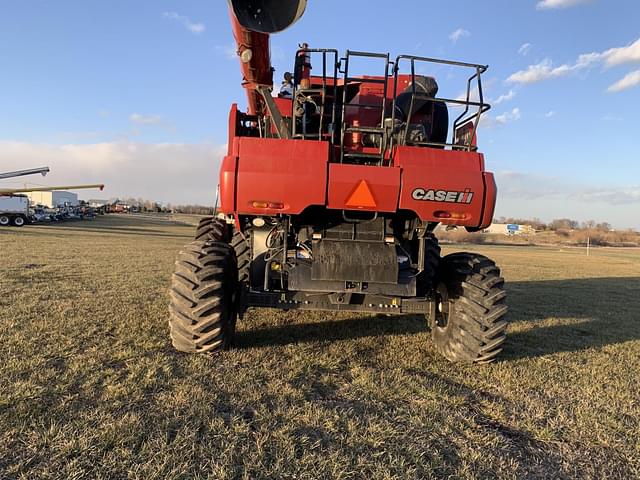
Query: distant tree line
(144,205)
(556,225)
(191,209)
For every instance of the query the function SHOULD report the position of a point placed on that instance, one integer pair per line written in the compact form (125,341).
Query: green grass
(91,388)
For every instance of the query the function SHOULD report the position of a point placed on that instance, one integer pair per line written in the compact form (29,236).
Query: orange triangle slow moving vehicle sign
(361,197)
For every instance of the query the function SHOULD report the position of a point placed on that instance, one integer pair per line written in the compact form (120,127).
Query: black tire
(213,229)
(4,220)
(19,221)
(202,312)
(469,324)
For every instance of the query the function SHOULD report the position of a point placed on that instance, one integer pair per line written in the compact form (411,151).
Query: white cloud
(509,116)
(609,58)
(534,186)
(529,194)
(458,34)
(487,121)
(230,51)
(176,173)
(545,70)
(629,81)
(140,119)
(525,49)
(622,55)
(557,4)
(193,27)
(617,196)
(504,98)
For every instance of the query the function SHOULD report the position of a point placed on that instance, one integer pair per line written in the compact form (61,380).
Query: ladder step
(362,155)
(381,81)
(312,90)
(355,53)
(365,107)
(377,130)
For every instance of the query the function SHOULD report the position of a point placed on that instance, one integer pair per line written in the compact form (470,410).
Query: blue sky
(136,94)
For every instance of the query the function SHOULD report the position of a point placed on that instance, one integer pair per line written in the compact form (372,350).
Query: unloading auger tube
(252,21)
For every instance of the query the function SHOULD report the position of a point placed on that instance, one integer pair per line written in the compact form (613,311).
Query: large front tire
(203,293)
(469,325)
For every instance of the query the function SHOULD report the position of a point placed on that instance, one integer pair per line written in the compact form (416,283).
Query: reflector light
(449,215)
(361,197)
(269,205)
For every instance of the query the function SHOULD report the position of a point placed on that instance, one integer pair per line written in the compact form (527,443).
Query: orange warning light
(361,197)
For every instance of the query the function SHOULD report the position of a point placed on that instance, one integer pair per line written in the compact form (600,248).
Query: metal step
(375,130)
(381,81)
(377,156)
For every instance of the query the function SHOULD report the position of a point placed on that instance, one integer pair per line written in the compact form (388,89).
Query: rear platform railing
(346,128)
(472,110)
(319,125)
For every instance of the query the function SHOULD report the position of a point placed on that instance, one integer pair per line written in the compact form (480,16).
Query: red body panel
(426,169)
(491,194)
(290,172)
(296,174)
(382,182)
(444,186)
(228,184)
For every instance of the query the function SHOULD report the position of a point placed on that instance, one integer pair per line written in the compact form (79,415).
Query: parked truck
(14,210)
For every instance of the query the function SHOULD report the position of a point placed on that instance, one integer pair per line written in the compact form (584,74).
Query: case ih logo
(446,196)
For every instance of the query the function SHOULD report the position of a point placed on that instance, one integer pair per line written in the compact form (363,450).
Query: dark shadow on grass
(112,231)
(586,313)
(331,331)
(121,224)
(110,224)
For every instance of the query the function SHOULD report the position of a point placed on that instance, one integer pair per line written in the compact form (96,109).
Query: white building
(53,199)
(510,229)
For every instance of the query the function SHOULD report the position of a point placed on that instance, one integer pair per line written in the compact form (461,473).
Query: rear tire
(203,298)
(213,229)
(469,323)
(4,220)
(19,221)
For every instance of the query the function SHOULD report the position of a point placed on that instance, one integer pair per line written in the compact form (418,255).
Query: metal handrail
(296,90)
(462,119)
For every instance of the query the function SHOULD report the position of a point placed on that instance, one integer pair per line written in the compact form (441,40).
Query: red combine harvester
(330,194)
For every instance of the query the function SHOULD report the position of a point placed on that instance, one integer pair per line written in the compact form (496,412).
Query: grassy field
(91,388)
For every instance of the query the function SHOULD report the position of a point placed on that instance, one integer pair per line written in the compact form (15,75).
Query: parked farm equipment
(330,195)
(14,205)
